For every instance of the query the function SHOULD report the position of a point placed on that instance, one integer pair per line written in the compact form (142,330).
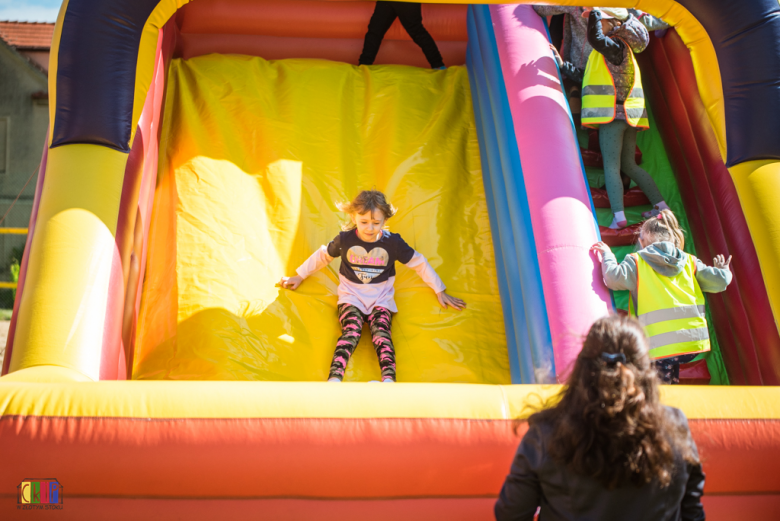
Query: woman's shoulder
(677,419)
(541,424)
(674,414)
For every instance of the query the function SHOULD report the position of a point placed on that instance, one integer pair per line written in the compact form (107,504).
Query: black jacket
(535,480)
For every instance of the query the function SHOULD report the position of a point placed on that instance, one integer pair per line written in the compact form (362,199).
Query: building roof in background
(27,36)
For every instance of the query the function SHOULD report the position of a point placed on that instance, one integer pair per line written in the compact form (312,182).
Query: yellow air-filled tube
(757,184)
(62,314)
(159,400)
(254,157)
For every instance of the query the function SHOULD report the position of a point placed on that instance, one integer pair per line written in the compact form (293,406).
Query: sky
(29,10)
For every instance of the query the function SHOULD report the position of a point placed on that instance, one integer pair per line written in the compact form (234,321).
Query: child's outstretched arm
(567,68)
(426,272)
(616,276)
(714,279)
(318,260)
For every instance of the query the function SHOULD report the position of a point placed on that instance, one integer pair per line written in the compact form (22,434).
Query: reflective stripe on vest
(672,310)
(599,99)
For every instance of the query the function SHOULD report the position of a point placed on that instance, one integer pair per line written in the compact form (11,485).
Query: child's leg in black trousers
(351,320)
(410,15)
(383,17)
(379,321)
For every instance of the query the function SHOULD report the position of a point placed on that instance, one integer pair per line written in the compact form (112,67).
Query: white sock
(619,216)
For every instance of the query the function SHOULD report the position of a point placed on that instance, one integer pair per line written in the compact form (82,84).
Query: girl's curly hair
(609,424)
(366,201)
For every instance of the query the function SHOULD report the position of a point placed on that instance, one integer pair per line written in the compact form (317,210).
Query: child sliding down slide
(666,287)
(366,277)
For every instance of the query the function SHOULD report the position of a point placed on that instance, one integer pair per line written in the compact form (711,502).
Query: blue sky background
(29,10)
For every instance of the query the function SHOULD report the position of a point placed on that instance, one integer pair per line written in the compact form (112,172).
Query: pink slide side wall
(561,215)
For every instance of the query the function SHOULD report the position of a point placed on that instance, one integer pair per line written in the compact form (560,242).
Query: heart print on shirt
(367,265)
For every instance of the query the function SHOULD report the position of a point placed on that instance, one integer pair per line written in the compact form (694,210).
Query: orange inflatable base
(762,507)
(323,457)
(298,450)
(278,509)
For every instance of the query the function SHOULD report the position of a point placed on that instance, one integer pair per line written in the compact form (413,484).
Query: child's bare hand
(556,55)
(721,262)
(291,282)
(602,248)
(448,300)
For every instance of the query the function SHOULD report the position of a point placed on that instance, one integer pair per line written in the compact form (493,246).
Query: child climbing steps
(666,286)
(366,278)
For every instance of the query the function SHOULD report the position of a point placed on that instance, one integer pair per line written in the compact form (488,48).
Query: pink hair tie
(660,216)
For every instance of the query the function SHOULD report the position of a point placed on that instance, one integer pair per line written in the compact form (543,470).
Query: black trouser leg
(383,17)
(411,18)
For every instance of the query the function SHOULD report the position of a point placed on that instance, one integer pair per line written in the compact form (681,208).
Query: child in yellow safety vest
(613,101)
(666,286)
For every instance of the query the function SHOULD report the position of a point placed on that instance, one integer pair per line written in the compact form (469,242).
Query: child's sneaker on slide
(388,381)
(334,380)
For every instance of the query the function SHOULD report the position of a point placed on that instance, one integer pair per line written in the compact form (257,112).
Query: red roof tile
(27,35)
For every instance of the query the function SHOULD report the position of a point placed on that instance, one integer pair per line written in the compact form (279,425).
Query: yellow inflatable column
(758,183)
(62,315)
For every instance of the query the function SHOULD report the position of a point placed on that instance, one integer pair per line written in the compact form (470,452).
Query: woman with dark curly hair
(608,450)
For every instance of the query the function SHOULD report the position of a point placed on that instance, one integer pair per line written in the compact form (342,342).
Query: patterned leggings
(351,319)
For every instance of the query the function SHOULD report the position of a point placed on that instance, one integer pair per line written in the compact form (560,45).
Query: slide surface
(254,156)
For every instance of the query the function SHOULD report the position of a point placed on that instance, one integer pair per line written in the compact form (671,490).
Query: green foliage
(8,296)
(16,257)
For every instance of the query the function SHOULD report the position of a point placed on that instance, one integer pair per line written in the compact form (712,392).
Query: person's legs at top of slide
(383,17)
(410,15)
(639,175)
(611,142)
(411,18)
(618,146)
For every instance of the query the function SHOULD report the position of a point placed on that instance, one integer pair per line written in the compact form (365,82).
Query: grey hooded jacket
(666,260)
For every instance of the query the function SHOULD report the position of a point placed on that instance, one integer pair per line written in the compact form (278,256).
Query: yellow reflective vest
(671,309)
(599,97)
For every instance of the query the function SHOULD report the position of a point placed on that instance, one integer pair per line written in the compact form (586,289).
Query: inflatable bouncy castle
(195,155)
